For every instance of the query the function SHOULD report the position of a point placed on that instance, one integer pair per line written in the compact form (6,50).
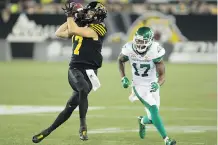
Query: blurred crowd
(54,6)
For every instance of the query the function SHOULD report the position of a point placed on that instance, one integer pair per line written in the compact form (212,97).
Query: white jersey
(143,67)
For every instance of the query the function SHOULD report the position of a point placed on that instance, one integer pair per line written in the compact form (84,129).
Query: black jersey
(87,51)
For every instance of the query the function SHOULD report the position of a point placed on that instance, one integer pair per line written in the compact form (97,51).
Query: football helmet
(143,39)
(95,12)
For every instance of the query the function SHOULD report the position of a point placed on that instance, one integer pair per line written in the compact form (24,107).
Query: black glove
(69,9)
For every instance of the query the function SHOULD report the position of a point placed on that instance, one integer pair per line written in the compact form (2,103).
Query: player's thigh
(78,80)
(144,95)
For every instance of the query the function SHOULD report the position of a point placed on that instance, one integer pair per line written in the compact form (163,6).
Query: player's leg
(156,96)
(142,120)
(150,103)
(157,121)
(71,105)
(83,85)
(147,119)
(83,108)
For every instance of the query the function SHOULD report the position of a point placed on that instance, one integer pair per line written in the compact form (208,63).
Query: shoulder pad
(103,24)
(127,48)
(156,50)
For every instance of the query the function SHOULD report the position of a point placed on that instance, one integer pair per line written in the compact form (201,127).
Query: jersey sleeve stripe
(96,30)
(156,60)
(101,28)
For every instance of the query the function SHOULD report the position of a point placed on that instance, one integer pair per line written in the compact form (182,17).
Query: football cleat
(170,142)
(141,128)
(83,134)
(39,137)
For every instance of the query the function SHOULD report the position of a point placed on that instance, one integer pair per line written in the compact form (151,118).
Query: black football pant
(81,86)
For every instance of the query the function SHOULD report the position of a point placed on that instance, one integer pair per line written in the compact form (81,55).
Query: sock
(146,120)
(156,120)
(83,125)
(165,139)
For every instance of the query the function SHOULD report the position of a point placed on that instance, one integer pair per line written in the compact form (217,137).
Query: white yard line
(27,109)
(18,109)
(123,116)
(174,129)
(130,107)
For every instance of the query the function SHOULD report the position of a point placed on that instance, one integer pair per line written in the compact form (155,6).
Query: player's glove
(69,9)
(125,82)
(154,87)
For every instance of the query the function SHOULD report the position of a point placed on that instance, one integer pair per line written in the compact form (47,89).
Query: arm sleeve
(156,60)
(99,29)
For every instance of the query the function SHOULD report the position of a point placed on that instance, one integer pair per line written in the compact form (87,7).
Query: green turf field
(188,106)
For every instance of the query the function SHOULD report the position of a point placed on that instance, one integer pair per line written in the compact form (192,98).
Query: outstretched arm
(160,67)
(121,63)
(62,31)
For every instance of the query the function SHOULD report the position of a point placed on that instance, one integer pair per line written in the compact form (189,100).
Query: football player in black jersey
(86,29)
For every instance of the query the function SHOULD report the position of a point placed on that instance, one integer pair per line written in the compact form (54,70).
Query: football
(78,7)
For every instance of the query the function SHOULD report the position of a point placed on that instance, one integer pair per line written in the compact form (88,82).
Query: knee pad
(84,89)
(71,105)
(68,109)
(84,92)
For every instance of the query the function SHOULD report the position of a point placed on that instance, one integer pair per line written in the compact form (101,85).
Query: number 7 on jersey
(146,66)
(79,40)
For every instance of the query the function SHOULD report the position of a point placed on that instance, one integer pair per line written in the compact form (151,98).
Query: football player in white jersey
(148,74)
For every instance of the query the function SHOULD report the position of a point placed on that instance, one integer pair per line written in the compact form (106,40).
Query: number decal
(145,74)
(147,66)
(79,40)
(136,70)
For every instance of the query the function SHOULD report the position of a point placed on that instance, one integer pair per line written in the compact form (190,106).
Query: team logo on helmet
(163,26)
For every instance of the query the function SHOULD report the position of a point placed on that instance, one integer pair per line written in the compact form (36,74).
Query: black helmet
(95,12)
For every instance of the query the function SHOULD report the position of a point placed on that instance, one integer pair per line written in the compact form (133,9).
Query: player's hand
(69,9)
(154,87)
(125,82)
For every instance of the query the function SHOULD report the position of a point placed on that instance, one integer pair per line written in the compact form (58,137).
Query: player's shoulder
(127,48)
(156,50)
(128,45)
(156,45)
(103,24)
(99,28)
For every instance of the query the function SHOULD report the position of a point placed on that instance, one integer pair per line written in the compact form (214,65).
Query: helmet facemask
(141,45)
